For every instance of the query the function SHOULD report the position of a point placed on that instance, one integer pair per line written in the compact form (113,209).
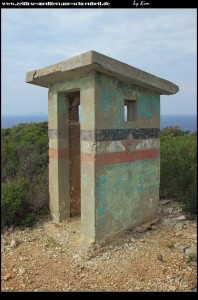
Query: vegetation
(24,165)
(13,201)
(178,174)
(24,176)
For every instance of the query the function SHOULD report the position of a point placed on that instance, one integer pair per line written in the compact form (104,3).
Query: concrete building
(105,164)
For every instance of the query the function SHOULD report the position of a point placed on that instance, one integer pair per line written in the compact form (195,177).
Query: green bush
(190,198)
(28,220)
(24,156)
(178,167)
(24,151)
(13,202)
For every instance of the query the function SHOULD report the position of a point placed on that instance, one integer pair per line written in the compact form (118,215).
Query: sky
(159,41)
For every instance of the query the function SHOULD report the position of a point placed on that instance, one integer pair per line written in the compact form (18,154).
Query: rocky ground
(160,256)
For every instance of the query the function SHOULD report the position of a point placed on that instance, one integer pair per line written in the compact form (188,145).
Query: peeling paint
(148,144)
(121,199)
(150,202)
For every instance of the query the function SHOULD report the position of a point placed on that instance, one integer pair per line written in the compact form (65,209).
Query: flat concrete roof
(92,60)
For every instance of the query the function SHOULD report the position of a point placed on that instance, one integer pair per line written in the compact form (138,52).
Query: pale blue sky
(159,41)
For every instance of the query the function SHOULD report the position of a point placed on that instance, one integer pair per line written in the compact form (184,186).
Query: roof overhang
(92,60)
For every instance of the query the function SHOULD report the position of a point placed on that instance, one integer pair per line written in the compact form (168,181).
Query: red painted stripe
(108,158)
(61,153)
(119,157)
(88,159)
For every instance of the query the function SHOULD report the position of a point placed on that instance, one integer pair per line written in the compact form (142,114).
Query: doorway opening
(74,153)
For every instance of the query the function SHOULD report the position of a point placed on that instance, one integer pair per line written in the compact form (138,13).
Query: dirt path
(154,257)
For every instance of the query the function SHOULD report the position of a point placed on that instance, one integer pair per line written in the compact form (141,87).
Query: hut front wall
(59,150)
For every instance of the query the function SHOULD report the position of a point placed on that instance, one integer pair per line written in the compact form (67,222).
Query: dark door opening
(74,154)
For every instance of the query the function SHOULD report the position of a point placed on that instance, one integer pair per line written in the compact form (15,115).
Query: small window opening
(125,112)
(130,110)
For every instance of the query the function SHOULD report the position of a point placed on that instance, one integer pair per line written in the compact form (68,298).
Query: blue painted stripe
(119,134)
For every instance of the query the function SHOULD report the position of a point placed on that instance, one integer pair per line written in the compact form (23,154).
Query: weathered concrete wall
(59,151)
(127,196)
(110,95)
(127,156)
(58,155)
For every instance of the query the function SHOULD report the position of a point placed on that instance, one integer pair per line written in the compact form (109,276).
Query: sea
(185,122)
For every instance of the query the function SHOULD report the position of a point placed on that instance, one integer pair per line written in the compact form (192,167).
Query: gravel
(159,256)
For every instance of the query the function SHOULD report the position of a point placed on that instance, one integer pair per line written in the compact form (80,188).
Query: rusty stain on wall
(74,153)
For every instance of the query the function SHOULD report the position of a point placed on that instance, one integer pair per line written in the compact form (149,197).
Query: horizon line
(46,114)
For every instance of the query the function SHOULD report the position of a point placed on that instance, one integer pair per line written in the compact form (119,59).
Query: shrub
(24,156)
(28,220)
(24,150)
(178,167)
(13,202)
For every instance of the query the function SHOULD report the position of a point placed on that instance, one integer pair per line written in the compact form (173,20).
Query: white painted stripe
(148,144)
(119,146)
